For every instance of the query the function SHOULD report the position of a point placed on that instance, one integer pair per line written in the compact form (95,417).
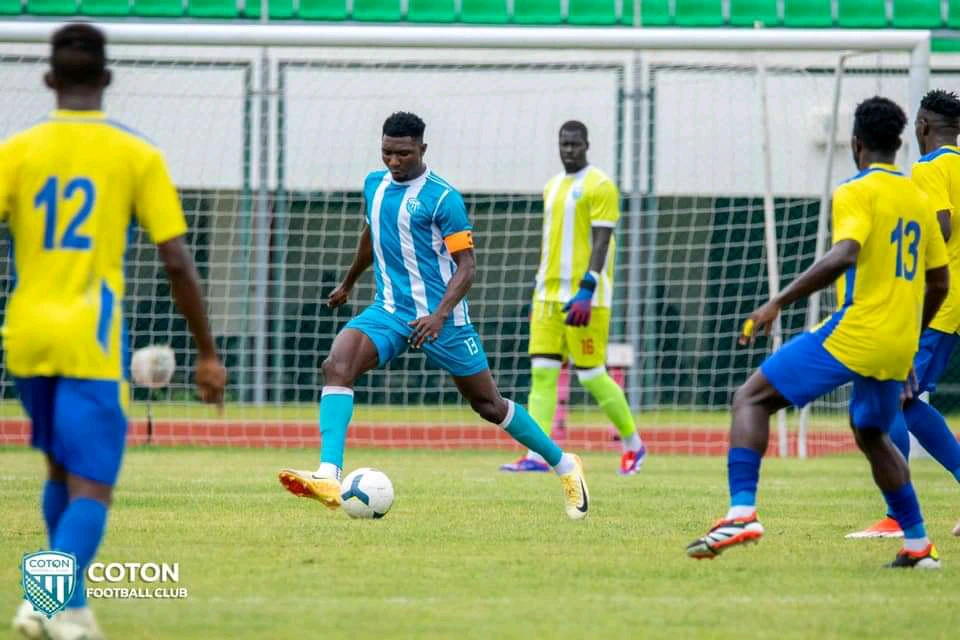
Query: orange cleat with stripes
(886,528)
(726,534)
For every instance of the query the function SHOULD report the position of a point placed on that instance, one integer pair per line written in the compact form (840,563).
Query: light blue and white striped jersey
(408,224)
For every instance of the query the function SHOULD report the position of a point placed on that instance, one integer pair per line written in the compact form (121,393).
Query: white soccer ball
(153,366)
(366,493)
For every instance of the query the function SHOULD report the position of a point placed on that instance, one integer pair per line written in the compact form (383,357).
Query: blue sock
(336,409)
(53,504)
(932,432)
(79,532)
(899,435)
(527,432)
(906,509)
(743,474)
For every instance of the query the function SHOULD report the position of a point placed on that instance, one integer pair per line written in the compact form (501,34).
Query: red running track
(661,441)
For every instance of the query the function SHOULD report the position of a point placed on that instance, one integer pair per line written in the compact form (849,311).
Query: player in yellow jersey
(890,264)
(581,208)
(70,188)
(938,175)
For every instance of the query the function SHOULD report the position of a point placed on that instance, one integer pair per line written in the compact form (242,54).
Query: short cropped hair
(402,124)
(575,126)
(878,122)
(78,54)
(943,103)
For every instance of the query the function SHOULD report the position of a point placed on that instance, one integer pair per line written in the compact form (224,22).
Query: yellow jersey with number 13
(876,329)
(938,175)
(70,188)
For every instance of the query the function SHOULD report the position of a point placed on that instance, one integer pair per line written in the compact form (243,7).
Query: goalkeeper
(581,207)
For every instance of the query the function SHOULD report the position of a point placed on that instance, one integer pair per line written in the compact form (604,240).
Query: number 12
(47,197)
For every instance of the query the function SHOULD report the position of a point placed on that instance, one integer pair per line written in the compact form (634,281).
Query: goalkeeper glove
(579,306)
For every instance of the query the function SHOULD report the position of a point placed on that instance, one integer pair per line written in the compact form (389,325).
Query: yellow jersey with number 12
(938,175)
(70,188)
(572,205)
(875,331)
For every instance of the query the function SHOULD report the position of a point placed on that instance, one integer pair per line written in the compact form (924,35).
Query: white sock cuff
(546,363)
(511,409)
(585,375)
(336,391)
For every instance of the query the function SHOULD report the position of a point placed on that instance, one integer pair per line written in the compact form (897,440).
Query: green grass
(470,553)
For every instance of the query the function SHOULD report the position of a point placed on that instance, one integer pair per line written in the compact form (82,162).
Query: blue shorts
(81,424)
(457,350)
(803,370)
(932,358)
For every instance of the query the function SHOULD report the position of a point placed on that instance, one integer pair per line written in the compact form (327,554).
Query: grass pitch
(468,552)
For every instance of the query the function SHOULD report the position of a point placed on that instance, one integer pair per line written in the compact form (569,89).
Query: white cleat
(73,624)
(28,622)
(575,492)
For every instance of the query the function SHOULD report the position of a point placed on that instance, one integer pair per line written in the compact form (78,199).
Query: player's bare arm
(361,262)
(210,375)
(943,217)
(820,275)
(937,287)
(428,327)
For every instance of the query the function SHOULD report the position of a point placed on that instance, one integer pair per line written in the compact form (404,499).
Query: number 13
(912,230)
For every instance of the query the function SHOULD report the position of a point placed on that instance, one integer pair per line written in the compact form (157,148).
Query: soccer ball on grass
(366,493)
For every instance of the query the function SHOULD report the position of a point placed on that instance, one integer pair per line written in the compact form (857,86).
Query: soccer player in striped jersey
(419,240)
(937,173)
(890,261)
(71,187)
(581,207)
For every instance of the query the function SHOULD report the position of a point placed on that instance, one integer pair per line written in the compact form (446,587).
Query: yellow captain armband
(459,241)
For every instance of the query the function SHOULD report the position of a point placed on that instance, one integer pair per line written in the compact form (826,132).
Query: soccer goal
(725,145)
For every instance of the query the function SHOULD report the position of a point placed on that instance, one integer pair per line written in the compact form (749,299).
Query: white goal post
(264,57)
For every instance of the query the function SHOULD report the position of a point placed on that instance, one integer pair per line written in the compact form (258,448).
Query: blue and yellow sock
(336,409)
(79,532)
(931,431)
(53,504)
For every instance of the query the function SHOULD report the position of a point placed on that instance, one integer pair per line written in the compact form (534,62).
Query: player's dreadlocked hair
(402,124)
(878,122)
(575,125)
(78,54)
(943,103)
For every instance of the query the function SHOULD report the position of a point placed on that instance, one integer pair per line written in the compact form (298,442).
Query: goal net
(270,147)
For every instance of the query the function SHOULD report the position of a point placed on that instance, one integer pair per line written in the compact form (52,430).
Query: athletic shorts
(932,357)
(81,424)
(457,350)
(551,335)
(803,370)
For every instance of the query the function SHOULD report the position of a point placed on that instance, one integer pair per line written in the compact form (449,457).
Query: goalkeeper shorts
(550,335)
(81,424)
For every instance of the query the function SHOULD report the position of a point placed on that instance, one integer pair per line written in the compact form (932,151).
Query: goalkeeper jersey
(938,175)
(70,189)
(572,205)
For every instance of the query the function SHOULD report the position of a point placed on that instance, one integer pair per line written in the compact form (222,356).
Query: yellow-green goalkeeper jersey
(938,175)
(572,205)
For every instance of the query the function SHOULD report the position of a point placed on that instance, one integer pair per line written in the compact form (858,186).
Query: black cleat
(926,559)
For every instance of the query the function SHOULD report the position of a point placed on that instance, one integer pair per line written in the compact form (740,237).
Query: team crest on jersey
(49,579)
(415,208)
(577,191)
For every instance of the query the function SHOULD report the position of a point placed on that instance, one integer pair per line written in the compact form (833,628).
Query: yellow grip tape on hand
(747,329)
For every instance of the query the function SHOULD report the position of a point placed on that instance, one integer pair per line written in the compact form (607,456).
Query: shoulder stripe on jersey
(443,183)
(933,155)
(130,130)
(433,216)
(867,172)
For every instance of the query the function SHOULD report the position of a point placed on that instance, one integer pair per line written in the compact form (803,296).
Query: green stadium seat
(653,13)
(747,13)
(10,7)
(862,13)
(158,8)
(105,7)
(953,14)
(537,12)
(596,12)
(52,7)
(323,9)
(432,11)
(212,9)
(485,11)
(945,45)
(377,10)
(917,14)
(278,9)
(807,13)
(699,13)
